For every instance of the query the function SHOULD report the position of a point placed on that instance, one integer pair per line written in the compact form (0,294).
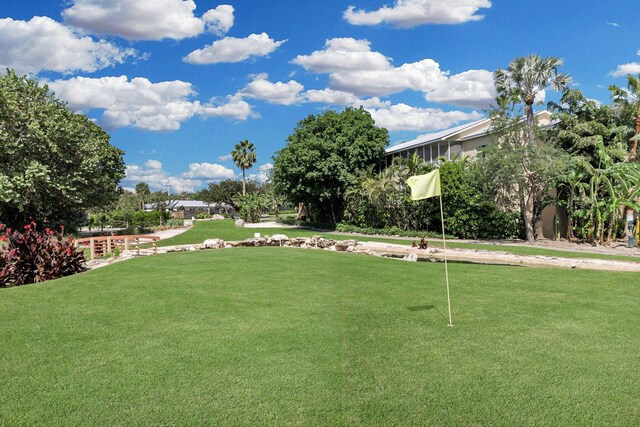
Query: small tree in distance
(244,156)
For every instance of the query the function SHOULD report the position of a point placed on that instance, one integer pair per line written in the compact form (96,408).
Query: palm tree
(526,77)
(244,156)
(630,98)
(143,192)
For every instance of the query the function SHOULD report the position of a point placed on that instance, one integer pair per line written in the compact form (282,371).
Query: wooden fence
(102,245)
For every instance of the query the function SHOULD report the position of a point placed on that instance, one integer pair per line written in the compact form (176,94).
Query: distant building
(466,140)
(191,208)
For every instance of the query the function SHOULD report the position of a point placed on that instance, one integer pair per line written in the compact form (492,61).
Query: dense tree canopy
(323,156)
(53,163)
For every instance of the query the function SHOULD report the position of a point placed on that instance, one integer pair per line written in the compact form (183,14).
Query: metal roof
(449,134)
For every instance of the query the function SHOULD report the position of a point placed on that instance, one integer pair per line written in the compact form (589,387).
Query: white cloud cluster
(197,174)
(410,13)
(232,49)
(44,44)
(624,69)
(263,173)
(354,68)
(406,117)
(208,171)
(274,93)
(147,19)
(343,54)
(630,68)
(141,103)
(337,97)
(233,107)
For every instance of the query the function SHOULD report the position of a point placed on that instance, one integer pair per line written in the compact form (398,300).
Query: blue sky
(178,83)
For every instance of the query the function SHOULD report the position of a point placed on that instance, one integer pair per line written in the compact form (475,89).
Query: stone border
(389,250)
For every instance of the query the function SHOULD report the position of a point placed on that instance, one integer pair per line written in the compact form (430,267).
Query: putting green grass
(226,230)
(281,336)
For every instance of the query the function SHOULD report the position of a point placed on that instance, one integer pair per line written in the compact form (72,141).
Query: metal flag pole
(446,268)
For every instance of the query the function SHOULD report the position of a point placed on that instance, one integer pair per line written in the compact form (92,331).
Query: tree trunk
(528,109)
(634,144)
(527,215)
(244,184)
(539,230)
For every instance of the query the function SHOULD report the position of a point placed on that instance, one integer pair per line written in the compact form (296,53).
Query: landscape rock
(217,217)
(410,257)
(239,222)
(213,243)
(345,245)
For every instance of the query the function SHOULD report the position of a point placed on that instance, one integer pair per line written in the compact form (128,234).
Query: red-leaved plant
(33,256)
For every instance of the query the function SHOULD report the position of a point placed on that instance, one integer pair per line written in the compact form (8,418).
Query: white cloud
(44,44)
(343,54)
(225,158)
(140,103)
(219,20)
(355,69)
(263,173)
(410,13)
(405,117)
(153,164)
(208,171)
(624,69)
(232,49)
(234,107)
(275,93)
(155,177)
(336,97)
(147,19)
(422,75)
(473,88)
(153,173)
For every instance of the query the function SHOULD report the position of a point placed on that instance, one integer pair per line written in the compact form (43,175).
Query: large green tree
(54,163)
(517,86)
(323,156)
(518,171)
(244,156)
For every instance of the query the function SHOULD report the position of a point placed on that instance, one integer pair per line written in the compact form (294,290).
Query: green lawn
(280,336)
(226,230)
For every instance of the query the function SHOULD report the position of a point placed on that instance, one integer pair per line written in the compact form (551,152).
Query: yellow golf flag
(425,186)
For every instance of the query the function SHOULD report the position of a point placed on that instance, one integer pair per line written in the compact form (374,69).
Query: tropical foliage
(382,200)
(31,256)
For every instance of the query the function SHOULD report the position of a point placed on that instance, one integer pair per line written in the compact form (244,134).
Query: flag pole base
(450,325)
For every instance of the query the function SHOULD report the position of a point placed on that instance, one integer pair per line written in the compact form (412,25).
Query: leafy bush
(35,256)
(251,207)
(175,223)
(203,215)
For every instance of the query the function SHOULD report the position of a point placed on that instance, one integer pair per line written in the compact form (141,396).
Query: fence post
(109,245)
(126,243)
(92,248)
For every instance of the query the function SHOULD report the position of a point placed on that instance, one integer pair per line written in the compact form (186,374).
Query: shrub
(251,207)
(175,223)
(35,256)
